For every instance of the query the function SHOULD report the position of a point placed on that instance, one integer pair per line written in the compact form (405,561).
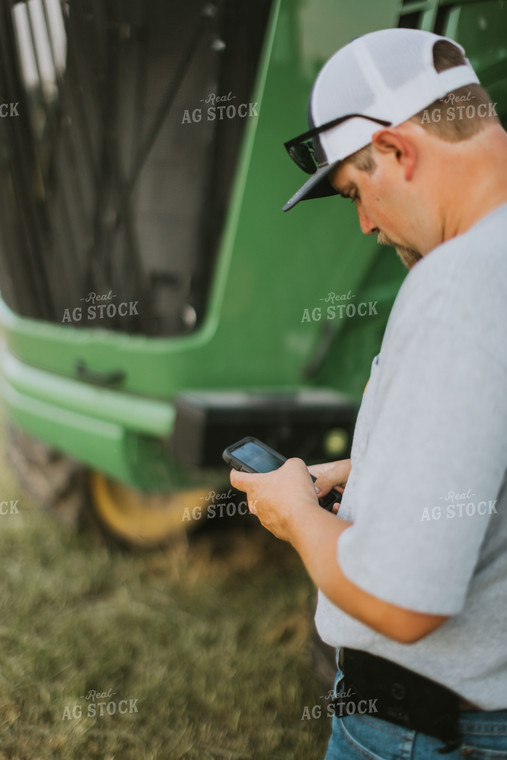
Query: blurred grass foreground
(199,650)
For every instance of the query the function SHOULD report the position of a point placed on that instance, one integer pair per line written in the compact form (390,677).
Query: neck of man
(474,182)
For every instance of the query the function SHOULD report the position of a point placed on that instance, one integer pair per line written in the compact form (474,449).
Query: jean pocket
(478,753)
(484,735)
(371,739)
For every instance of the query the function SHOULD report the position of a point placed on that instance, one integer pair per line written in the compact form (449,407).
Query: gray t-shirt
(427,490)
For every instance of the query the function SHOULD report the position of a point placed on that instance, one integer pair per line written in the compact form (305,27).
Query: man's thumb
(240,479)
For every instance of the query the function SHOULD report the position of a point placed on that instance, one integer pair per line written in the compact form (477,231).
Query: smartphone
(251,455)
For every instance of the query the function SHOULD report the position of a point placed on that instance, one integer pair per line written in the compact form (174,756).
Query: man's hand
(280,498)
(331,475)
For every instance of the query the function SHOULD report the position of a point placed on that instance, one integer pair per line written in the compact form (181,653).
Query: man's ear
(393,142)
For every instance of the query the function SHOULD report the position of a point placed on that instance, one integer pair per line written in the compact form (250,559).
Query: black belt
(396,694)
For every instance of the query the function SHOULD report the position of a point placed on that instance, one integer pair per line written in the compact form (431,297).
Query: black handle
(99,377)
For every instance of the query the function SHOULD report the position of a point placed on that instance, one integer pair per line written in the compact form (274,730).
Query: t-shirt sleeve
(434,463)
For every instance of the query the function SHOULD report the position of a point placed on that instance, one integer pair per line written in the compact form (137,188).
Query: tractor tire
(52,480)
(93,502)
(143,520)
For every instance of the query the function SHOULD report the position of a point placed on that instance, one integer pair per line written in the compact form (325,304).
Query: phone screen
(257,458)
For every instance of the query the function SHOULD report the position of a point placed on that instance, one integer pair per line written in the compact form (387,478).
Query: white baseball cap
(380,79)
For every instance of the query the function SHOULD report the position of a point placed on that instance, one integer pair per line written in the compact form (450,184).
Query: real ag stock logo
(100,306)
(340,306)
(9,507)
(459,504)
(9,110)
(458,108)
(341,703)
(216,505)
(99,705)
(219,107)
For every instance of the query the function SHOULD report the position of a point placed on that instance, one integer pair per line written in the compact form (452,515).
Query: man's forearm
(315,536)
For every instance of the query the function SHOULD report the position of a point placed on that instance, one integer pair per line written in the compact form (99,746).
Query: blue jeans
(365,737)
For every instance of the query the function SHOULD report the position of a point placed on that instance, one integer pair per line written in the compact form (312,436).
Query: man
(412,572)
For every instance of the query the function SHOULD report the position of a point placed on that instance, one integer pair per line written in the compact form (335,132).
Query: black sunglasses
(301,148)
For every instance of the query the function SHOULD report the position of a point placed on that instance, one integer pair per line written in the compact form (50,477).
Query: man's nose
(367,226)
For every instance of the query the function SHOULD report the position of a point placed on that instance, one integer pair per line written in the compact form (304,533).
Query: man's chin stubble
(408,256)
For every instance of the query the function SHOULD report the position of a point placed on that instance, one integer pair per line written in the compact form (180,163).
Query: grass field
(199,650)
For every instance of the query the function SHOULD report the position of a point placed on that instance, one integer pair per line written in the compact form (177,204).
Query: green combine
(156,303)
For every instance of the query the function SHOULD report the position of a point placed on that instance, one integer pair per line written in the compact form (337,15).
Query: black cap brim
(318,186)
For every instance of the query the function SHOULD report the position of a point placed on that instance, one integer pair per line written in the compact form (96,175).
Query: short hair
(439,118)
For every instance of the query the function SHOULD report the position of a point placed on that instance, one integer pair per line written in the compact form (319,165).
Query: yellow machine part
(144,519)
